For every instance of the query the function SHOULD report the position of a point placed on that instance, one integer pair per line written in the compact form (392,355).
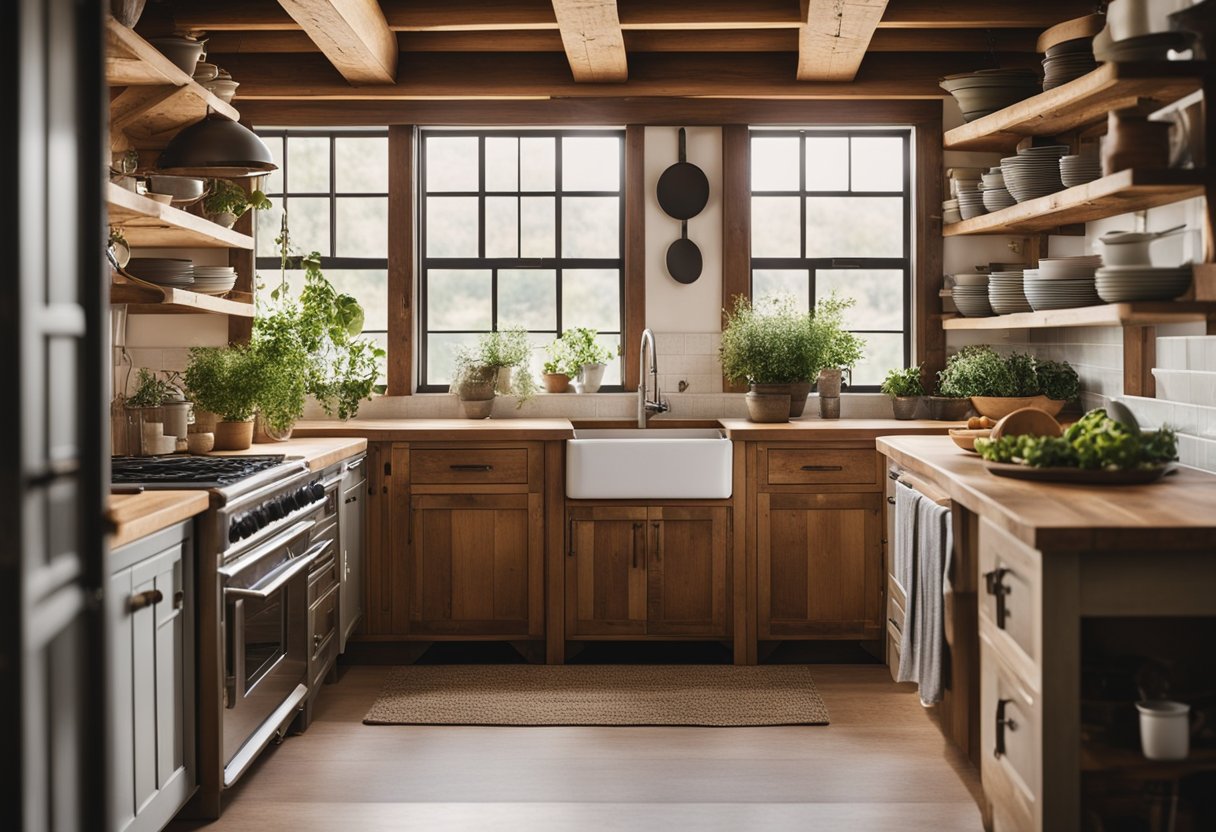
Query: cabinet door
(606,571)
(820,562)
(351,566)
(476,565)
(686,571)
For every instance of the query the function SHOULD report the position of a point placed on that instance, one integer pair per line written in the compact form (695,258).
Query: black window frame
(557,263)
(814,264)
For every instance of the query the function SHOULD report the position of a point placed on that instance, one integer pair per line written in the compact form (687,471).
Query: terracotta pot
(829,383)
(799,390)
(947,409)
(905,406)
(557,382)
(592,376)
(233,436)
(998,407)
(768,403)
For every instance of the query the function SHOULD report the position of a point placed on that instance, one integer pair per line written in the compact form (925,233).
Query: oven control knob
(260,517)
(234,532)
(288,502)
(318,491)
(274,508)
(250,525)
(303,497)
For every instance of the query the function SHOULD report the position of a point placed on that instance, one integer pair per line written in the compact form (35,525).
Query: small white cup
(1165,729)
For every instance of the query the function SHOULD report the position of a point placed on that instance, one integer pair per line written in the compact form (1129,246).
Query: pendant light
(217,147)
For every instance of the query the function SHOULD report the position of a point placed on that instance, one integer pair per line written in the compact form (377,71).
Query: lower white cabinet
(350,551)
(151,609)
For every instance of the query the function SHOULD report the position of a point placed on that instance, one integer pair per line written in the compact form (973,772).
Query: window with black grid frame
(333,185)
(831,210)
(519,228)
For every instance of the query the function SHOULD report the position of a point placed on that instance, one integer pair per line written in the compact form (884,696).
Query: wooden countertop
(823,429)
(1178,512)
(440,430)
(139,515)
(318,451)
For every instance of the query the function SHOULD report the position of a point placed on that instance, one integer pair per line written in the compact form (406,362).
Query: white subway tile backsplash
(1172,353)
(1187,386)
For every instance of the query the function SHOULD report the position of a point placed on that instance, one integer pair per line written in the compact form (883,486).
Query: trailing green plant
(834,347)
(980,371)
(227,197)
(768,342)
(560,360)
(505,349)
(1057,380)
(905,382)
(150,390)
(228,381)
(582,348)
(288,364)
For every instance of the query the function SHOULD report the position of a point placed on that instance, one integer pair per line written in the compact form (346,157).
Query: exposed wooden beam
(591,35)
(353,34)
(835,36)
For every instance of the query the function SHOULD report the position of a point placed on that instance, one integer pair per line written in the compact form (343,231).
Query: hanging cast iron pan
(684,258)
(683,188)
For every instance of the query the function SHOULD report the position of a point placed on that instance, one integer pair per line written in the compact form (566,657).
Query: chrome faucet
(646,407)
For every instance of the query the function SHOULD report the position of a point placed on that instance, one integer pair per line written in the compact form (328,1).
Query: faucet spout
(648,407)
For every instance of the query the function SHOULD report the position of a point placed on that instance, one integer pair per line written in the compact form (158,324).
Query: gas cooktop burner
(189,471)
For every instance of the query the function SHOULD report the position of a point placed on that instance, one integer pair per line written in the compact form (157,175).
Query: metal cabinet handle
(658,543)
(890,501)
(892,475)
(145,599)
(350,500)
(358,463)
(571,536)
(822,467)
(179,598)
(1002,724)
(634,544)
(994,582)
(317,638)
(471,467)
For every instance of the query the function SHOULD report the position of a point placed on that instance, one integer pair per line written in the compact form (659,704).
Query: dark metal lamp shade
(217,147)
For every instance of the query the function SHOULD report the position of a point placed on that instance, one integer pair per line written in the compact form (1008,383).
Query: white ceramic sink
(648,464)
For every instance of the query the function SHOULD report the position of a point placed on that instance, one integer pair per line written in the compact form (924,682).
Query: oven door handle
(263,591)
(277,542)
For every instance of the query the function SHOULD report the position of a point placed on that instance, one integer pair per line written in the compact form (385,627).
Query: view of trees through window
(831,210)
(519,228)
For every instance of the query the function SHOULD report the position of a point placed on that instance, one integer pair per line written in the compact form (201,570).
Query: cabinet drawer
(458,466)
(324,578)
(1010,743)
(798,466)
(1010,599)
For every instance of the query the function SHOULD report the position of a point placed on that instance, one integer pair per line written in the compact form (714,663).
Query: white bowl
(1126,254)
(970,280)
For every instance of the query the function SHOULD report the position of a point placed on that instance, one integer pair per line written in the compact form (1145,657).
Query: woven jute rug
(705,695)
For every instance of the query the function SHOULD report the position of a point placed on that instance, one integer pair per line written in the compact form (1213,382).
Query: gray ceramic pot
(945,409)
(769,403)
(905,406)
(799,390)
(829,383)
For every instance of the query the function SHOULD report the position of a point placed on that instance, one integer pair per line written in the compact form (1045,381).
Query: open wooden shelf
(1128,763)
(1079,103)
(149,224)
(1119,193)
(143,300)
(1139,313)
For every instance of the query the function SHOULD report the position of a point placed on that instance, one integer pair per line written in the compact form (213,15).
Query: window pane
(458,299)
(537,163)
(591,226)
(527,298)
(827,163)
(591,163)
(591,298)
(774,283)
(451,163)
(879,294)
(841,226)
(268,224)
(612,373)
(502,163)
(362,227)
(883,351)
(370,288)
(308,222)
(272,183)
(451,226)
(441,355)
(878,163)
(538,226)
(308,165)
(502,226)
(775,163)
(361,165)
(775,226)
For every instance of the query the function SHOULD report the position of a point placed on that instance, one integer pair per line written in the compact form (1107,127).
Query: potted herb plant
(228,381)
(146,412)
(836,349)
(586,357)
(498,365)
(998,386)
(227,202)
(905,389)
(768,345)
(558,367)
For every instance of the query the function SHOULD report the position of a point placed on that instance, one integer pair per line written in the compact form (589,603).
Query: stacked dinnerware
(993,191)
(971,295)
(1067,61)
(970,201)
(988,90)
(1061,287)
(1034,172)
(214,280)
(1079,169)
(969,177)
(1118,284)
(950,212)
(1005,292)
(163,271)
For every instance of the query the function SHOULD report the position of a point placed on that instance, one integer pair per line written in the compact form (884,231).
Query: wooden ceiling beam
(834,37)
(352,34)
(591,35)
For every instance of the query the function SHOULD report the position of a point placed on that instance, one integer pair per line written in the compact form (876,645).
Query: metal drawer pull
(358,463)
(1001,725)
(891,501)
(471,467)
(350,500)
(822,467)
(994,582)
(145,599)
(892,475)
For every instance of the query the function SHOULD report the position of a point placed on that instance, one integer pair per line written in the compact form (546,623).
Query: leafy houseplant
(834,349)
(227,202)
(586,357)
(498,364)
(997,386)
(905,389)
(150,391)
(770,345)
(558,367)
(229,382)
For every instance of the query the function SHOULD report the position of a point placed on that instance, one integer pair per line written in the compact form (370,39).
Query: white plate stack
(950,212)
(1067,61)
(970,200)
(1005,292)
(971,295)
(1077,170)
(1061,283)
(1034,172)
(163,271)
(1120,284)
(214,280)
(994,192)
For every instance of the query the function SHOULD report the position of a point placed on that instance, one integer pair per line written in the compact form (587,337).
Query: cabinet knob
(145,599)
(994,583)
(1002,725)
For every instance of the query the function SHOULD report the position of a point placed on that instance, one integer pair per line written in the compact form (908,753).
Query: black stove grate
(208,471)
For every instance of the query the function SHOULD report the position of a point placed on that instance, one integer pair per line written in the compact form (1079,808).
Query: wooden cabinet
(151,611)
(635,571)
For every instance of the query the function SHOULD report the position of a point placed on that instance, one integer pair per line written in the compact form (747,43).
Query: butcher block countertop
(803,430)
(1175,513)
(139,515)
(440,430)
(318,451)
